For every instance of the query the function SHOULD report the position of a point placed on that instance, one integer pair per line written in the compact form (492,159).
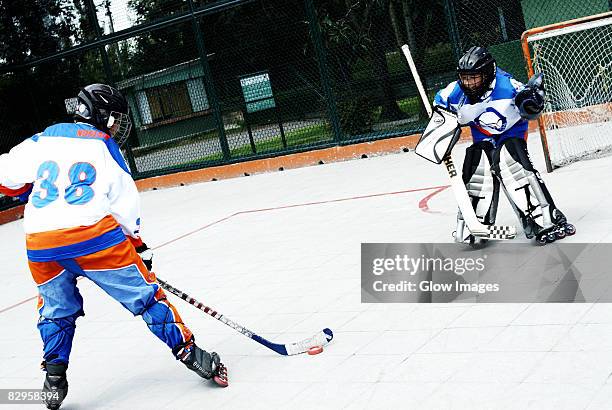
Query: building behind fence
(217,82)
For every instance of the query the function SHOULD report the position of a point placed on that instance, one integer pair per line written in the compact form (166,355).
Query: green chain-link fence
(214,82)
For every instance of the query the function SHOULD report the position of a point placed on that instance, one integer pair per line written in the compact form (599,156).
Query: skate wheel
(541,240)
(569,229)
(220,381)
(551,237)
(221,377)
(560,233)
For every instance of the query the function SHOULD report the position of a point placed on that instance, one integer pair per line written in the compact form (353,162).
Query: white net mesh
(577,65)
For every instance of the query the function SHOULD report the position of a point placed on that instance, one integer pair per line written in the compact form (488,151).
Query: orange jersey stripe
(69,236)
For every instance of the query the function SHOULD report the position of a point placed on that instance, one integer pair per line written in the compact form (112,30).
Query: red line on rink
(422,205)
(329,201)
(17,304)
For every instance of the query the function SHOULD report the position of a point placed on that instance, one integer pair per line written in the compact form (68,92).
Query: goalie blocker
(440,136)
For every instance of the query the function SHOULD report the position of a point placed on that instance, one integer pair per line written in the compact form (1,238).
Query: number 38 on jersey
(81,176)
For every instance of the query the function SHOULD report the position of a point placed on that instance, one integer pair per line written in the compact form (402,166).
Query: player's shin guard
(165,322)
(524,187)
(57,336)
(482,187)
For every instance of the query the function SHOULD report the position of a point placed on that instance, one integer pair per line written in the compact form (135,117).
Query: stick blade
(320,339)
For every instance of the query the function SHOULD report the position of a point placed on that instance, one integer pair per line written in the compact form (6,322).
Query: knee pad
(523,186)
(482,187)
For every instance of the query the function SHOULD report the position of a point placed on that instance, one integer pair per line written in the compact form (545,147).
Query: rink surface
(280,254)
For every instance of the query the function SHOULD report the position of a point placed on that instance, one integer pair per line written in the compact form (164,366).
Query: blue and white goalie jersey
(494,117)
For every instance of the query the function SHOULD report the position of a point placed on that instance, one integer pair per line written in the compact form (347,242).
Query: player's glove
(146,255)
(530,100)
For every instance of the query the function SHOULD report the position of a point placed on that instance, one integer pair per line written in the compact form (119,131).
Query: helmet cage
(119,125)
(105,108)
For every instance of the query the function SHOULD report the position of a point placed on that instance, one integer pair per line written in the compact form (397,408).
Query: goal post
(576,59)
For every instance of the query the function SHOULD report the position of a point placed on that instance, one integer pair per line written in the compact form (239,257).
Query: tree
(413,22)
(357,30)
(31,98)
(161,48)
(33,28)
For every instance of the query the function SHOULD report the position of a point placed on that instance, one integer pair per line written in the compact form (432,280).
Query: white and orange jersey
(83,197)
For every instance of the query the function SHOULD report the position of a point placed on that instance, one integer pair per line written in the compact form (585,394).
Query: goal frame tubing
(530,70)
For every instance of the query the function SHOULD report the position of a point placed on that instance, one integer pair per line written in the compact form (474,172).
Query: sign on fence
(257,92)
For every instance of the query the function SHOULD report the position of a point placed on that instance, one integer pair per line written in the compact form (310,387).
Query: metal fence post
(93,18)
(209,83)
(108,70)
(453,30)
(315,33)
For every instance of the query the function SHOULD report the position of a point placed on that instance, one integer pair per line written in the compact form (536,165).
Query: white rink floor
(287,273)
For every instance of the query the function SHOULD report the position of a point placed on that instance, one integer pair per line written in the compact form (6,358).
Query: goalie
(497,108)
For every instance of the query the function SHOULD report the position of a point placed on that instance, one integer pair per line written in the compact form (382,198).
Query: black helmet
(476,71)
(106,109)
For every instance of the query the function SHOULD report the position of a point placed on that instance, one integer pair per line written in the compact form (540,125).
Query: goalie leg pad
(524,188)
(482,187)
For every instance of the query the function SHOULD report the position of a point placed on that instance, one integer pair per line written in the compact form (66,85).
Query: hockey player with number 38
(82,220)
(497,109)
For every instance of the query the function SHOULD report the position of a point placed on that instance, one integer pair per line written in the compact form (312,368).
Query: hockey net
(576,59)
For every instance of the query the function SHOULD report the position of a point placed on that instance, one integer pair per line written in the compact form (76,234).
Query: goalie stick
(320,339)
(477,228)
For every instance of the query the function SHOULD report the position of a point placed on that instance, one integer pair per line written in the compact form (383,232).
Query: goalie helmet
(106,109)
(476,70)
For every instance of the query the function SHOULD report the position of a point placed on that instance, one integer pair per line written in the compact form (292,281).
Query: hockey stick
(476,227)
(320,339)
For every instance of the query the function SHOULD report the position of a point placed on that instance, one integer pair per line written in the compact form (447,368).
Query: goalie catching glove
(530,100)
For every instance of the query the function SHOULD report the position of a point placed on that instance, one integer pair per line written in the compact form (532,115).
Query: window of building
(169,101)
(174,100)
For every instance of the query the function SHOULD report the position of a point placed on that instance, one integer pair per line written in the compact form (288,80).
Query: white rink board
(288,273)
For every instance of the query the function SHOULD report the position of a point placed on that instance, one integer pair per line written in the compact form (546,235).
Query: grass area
(174,143)
(411,106)
(303,136)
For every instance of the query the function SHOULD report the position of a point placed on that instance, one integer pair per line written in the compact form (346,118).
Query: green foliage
(356,115)
(32,28)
